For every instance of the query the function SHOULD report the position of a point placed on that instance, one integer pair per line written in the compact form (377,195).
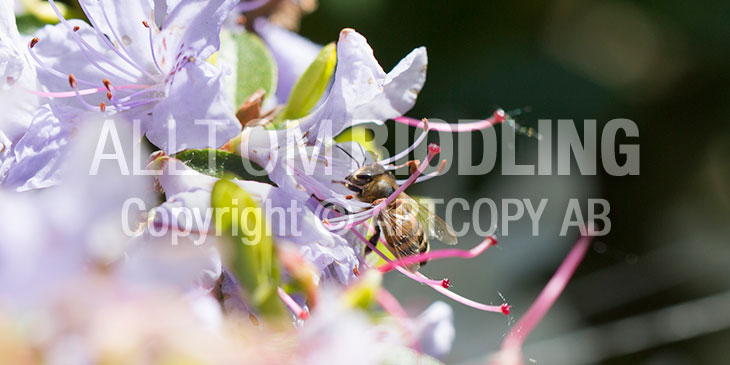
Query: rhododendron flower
(190,190)
(304,161)
(79,281)
(144,62)
(16,73)
(361,92)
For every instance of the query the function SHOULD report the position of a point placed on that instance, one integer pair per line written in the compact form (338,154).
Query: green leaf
(251,248)
(311,85)
(28,23)
(218,163)
(255,67)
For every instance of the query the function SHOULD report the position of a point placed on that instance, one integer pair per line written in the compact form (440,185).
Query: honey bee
(405,224)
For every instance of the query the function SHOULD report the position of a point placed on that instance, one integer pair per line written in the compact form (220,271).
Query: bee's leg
(332,206)
(373,239)
(348,185)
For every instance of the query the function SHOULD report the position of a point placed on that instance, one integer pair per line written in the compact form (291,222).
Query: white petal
(435,329)
(125,21)
(362,91)
(11,61)
(193,27)
(196,100)
(37,156)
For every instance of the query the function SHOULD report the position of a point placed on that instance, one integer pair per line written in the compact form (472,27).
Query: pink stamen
(428,176)
(435,284)
(433,150)
(90,91)
(441,254)
(465,301)
(516,336)
(293,306)
(405,272)
(390,304)
(506,309)
(424,126)
(499,116)
(351,220)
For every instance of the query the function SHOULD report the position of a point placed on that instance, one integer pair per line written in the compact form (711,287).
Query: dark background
(655,290)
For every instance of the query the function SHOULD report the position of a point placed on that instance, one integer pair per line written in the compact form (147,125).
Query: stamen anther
(253,319)
(146,25)
(109,95)
(434,148)
(442,166)
(102,106)
(505,309)
(72,81)
(107,84)
(33,42)
(500,115)
(446,283)
(76,28)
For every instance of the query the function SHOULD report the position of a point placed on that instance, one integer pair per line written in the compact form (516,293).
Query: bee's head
(363,176)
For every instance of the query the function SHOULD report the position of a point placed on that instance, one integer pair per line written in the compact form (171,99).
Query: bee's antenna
(519,111)
(520,129)
(349,154)
(362,149)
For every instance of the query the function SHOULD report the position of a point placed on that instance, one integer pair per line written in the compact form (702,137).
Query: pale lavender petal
(362,91)
(184,265)
(193,27)
(435,329)
(293,54)
(11,59)
(121,21)
(55,233)
(232,295)
(177,178)
(59,50)
(36,158)
(290,219)
(16,74)
(195,101)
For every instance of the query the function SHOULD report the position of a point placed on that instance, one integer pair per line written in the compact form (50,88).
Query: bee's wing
(432,224)
(395,226)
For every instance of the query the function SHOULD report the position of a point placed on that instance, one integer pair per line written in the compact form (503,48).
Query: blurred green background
(655,290)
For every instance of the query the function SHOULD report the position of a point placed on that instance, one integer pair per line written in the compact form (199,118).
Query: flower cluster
(218,262)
